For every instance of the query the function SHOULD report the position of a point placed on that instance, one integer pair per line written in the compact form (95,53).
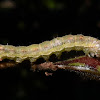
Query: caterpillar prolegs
(89,45)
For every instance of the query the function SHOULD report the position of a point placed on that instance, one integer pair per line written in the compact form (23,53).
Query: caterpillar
(89,45)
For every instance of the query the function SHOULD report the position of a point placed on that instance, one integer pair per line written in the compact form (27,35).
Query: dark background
(25,22)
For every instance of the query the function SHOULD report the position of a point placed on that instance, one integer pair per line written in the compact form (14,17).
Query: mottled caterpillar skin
(89,45)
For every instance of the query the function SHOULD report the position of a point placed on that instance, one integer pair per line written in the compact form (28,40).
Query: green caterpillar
(89,45)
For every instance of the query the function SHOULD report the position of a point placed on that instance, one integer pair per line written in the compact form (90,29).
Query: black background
(30,22)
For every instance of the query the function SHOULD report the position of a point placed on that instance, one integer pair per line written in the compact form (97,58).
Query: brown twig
(7,64)
(48,67)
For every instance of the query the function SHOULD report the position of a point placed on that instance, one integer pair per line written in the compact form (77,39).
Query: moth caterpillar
(89,45)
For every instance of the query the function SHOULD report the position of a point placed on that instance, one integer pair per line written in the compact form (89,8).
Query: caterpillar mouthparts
(89,45)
